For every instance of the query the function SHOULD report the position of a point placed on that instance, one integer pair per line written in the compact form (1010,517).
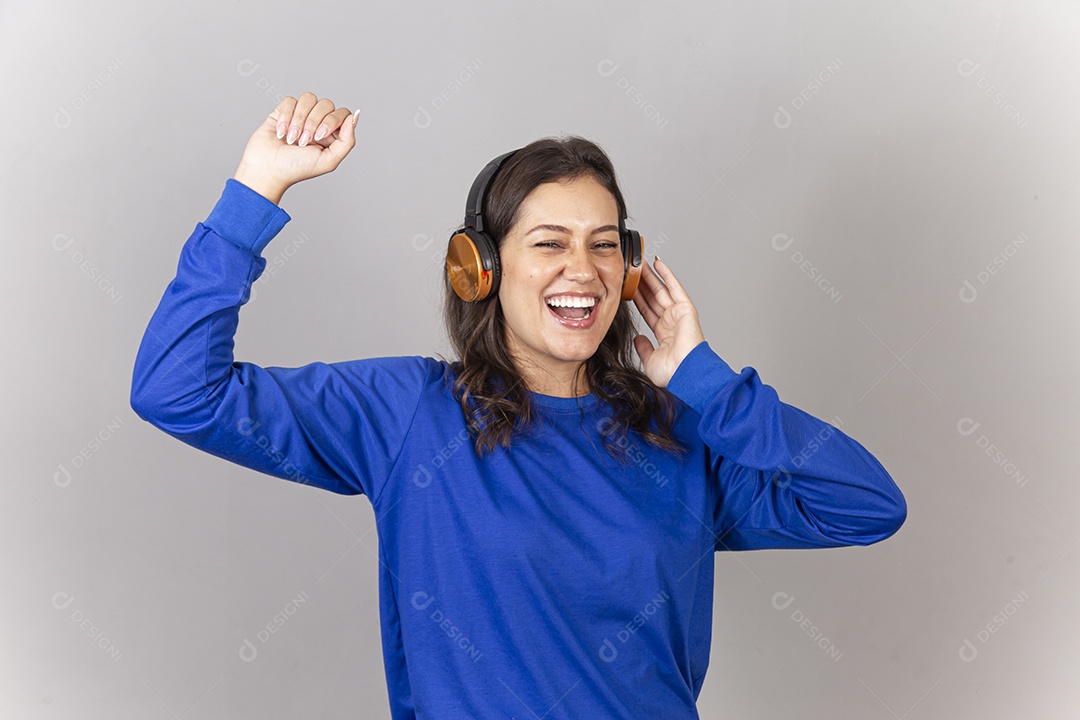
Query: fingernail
(293,132)
(304,138)
(320,132)
(355,115)
(281,129)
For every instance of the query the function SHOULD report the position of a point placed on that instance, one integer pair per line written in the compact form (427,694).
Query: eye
(601,245)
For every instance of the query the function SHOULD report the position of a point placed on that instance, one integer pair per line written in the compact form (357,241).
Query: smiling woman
(553,210)
(522,571)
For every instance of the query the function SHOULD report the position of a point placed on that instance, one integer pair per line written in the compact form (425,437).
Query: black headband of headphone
(474,206)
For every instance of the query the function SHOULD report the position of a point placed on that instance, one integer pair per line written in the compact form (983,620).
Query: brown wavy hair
(492,392)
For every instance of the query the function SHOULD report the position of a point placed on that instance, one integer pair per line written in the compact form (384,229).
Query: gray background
(872,203)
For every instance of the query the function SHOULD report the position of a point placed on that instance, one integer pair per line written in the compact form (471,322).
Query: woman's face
(565,244)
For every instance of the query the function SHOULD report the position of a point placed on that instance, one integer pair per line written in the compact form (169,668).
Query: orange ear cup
(471,282)
(633,272)
(630,283)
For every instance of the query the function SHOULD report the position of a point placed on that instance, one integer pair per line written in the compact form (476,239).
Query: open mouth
(572,308)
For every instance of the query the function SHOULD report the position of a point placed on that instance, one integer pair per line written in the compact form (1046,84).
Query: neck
(557,383)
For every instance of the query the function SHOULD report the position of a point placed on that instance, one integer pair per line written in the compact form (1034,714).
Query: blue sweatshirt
(546,580)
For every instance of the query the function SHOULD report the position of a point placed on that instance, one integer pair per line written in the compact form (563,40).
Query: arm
(337,426)
(787,479)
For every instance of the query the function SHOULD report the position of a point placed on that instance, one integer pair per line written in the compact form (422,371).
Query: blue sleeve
(336,426)
(786,479)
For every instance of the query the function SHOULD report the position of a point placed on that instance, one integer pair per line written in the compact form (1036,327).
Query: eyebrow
(561,229)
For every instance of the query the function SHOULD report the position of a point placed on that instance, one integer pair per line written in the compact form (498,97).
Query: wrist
(269,189)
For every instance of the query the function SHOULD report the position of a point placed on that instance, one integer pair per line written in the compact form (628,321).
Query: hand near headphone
(302,138)
(672,318)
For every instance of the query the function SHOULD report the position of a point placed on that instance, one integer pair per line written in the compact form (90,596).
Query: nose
(580,264)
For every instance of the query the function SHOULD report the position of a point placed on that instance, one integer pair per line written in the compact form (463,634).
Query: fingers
(303,106)
(674,287)
(664,286)
(644,348)
(342,144)
(655,296)
(653,291)
(283,114)
(309,119)
(314,121)
(327,131)
(641,301)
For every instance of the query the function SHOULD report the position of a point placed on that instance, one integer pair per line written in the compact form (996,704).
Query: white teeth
(571,301)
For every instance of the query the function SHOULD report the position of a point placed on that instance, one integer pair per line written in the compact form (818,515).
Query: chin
(575,352)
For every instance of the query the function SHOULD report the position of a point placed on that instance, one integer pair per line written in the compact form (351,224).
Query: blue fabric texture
(545,579)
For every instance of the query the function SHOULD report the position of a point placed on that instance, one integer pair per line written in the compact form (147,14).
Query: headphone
(472,256)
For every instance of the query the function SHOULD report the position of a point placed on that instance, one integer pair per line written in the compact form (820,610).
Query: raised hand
(302,138)
(667,310)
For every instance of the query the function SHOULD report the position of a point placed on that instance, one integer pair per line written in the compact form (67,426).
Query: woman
(547,513)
